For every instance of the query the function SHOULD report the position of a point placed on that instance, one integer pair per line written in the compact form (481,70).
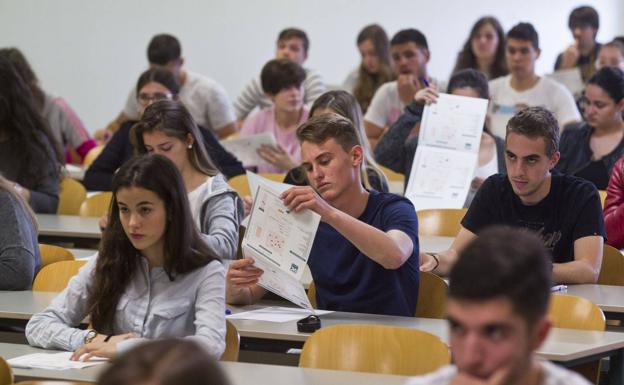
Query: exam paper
(52,361)
(570,78)
(256,180)
(246,149)
(276,314)
(447,153)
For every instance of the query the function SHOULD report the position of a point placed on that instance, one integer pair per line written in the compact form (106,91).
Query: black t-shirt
(596,172)
(570,211)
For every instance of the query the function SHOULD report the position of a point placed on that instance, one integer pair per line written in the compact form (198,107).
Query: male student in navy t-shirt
(365,253)
(565,211)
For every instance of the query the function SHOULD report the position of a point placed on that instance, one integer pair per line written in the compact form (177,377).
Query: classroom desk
(239,373)
(608,298)
(69,228)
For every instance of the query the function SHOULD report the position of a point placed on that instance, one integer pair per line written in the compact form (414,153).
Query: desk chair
(240,184)
(55,276)
(571,312)
(603,196)
(312,294)
(92,155)
(374,348)
(72,194)
(96,205)
(6,375)
(432,294)
(232,343)
(53,383)
(440,222)
(396,181)
(612,269)
(51,254)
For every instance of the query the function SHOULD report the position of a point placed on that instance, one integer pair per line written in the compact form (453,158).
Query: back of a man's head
(163,49)
(525,32)
(410,35)
(505,263)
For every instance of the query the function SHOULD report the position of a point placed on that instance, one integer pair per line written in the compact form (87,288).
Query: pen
(228,311)
(425,82)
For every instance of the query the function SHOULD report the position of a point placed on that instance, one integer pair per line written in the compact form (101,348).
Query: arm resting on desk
(586,265)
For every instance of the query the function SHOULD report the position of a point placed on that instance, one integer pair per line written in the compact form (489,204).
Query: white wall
(92,51)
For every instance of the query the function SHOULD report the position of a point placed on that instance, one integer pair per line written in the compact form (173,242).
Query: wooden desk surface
(69,226)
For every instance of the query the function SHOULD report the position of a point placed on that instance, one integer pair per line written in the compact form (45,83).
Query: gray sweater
(19,250)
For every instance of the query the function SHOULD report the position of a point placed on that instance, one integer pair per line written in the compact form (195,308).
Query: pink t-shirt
(264,121)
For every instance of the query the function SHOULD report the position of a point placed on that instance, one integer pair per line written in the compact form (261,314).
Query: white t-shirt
(553,375)
(546,93)
(205,99)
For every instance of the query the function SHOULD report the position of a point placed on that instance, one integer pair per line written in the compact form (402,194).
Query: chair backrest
(6,375)
(432,294)
(51,254)
(612,269)
(240,183)
(53,383)
(55,276)
(96,205)
(312,294)
(603,196)
(572,312)
(392,175)
(441,222)
(232,343)
(71,196)
(375,349)
(92,155)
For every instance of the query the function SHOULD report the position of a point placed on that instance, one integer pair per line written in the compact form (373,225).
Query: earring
(190,146)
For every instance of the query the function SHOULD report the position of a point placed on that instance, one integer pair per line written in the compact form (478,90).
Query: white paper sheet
(256,180)
(570,78)
(499,116)
(246,149)
(447,153)
(276,314)
(52,361)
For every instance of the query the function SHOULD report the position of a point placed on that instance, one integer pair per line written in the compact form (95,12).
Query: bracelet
(17,187)
(108,337)
(435,257)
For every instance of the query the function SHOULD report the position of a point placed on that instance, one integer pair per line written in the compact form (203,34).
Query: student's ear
(189,140)
(540,332)
(539,52)
(554,159)
(427,54)
(357,155)
(620,105)
(181,61)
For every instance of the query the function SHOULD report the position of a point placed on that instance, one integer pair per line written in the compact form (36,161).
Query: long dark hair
(467,58)
(21,121)
(17,58)
(118,260)
(368,83)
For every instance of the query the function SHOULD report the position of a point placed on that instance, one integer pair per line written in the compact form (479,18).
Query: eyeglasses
(145,98)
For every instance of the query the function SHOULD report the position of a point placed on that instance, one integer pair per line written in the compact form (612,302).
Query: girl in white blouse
(154,277)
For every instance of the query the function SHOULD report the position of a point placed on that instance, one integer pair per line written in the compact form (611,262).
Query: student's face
(487,337)
(485,42)
(584,35)
(521,57)
(288,99)
(291,49)
(528,166)
(409,59)
(143,217)
(157,142)
(370,60)
(150,93)
(610,57)
(599,109)
(331,170)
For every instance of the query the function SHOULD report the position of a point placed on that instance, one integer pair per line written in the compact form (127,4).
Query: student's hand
(477,181)
(103,222)
(247,202)
(102,136)
(427,262)
(241,274)
(408,86)
(99,348)
(305,197)
(426,95)
(569,57)
(277,156)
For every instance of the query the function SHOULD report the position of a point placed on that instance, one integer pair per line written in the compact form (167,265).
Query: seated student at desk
(497,310)
(365,253)
(154,277)
(563,210)
(19,250)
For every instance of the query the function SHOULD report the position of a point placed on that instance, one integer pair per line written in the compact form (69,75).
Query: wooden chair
(232,343)
(432,294)
(72,194)
(571,312)
(92,155)
(51,254)
(374,348)
(240,184)
(441,222)
(96,205)
(612,269)
(55,276)
(53,383)
(603,196)
(6,375)
(312,294)
(392,175)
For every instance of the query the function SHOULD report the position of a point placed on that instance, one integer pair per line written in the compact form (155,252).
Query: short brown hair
(280,74)
(321,128)
(536,122)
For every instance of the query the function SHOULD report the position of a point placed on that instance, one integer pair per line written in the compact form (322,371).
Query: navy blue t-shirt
(347,280)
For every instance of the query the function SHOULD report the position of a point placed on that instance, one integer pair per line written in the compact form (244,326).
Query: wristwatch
(91,334)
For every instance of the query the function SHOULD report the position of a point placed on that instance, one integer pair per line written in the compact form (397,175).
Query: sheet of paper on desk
(52,361)
(280,242)
(276,314)
(246,149)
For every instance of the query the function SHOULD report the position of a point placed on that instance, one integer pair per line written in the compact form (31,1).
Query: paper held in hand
(447,153)
(246,149)
(280,242)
